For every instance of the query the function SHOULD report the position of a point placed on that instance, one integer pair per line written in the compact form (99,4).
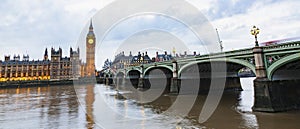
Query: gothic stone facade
(58,68)
(64,68)
(18,70)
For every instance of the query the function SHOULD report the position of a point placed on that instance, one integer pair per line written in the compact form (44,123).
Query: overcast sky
(30,26)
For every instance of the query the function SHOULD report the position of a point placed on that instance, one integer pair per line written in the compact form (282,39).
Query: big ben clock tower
(90,52)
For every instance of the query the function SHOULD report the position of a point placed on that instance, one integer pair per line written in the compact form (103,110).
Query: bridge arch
(108,74)
(285,60)
(157,77)
(157,67)
(134,76)
(134,73)
(133,69)
(118,78)
(228,60)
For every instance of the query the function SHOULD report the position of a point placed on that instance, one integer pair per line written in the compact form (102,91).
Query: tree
(107,64)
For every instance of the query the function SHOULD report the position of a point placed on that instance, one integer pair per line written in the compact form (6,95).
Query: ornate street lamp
(255,32)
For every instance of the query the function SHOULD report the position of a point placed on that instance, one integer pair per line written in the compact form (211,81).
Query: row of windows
(45,69)
(3,66)
(37,66)
(23,67)
(24,75)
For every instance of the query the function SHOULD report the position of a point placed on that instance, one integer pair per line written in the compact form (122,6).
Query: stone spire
(91,30)
(91,25)
(46,54)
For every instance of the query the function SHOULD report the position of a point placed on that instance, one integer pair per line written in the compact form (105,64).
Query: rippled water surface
(100,106)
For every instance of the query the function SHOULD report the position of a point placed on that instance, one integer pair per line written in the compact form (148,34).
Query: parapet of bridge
(276,68)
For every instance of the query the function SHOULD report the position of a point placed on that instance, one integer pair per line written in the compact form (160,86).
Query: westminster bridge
(276,68)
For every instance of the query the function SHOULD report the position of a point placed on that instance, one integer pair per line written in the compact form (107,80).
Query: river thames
(100,106)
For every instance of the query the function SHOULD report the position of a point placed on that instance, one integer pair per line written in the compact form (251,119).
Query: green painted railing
(290,47)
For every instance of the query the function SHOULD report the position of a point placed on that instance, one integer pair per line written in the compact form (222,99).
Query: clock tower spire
(90,51)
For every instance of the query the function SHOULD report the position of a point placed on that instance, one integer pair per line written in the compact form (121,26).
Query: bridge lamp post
(255,32)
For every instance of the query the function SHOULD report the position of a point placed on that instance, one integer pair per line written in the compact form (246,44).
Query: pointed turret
(46,54)
(91,30)
(91,26)
(71,51)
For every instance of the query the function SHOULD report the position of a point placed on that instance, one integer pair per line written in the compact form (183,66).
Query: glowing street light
(255,32)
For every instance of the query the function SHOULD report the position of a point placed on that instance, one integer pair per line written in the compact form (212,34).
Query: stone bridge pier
(273,95)
(175,82)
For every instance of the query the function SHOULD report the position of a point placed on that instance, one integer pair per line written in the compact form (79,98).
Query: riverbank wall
(32,83)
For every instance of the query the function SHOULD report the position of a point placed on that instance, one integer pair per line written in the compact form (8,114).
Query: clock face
(90,41)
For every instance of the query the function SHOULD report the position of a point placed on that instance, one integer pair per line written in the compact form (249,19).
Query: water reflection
(102,106)
(234,111)
(40,107)
(246,101)
(89,99)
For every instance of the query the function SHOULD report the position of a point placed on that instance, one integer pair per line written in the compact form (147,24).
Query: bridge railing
(240,52)
(289,45)
(217,55)
(202,57)
(246,51)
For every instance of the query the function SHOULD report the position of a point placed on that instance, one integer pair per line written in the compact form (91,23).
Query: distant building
(163,57)
(185,55)
(141,59)
(18,70)
(58,68)
(64,68)
(122,61)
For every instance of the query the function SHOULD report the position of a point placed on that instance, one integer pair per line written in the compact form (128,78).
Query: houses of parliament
(55,68)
